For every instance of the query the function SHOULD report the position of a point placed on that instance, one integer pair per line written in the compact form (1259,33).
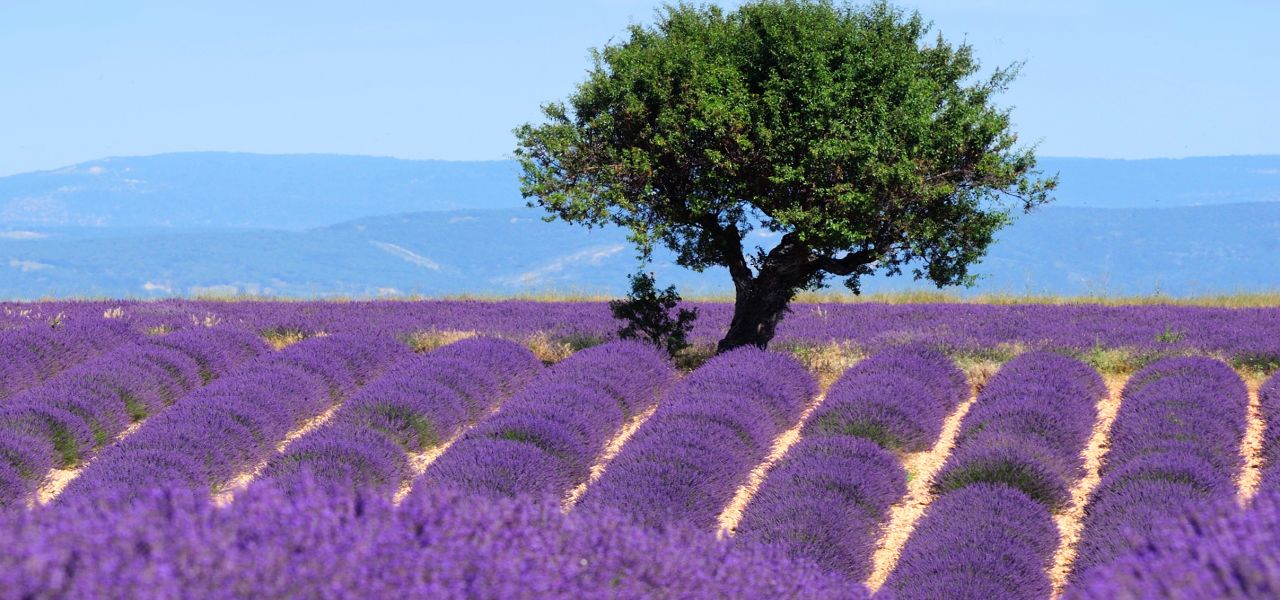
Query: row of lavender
(32,353)
(989,532)
(827,499)
(212,435)
(69,417)
(1251,335)
(1175,443)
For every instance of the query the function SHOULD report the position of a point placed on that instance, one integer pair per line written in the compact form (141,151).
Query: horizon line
(511,159)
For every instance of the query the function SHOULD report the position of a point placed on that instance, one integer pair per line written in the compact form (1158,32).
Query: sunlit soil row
(921,467)
(732,514)
(1251,448)
(1071,520)
(241,482)
(611,450)
(58,479)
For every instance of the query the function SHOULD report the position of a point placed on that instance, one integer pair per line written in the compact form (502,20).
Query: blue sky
(83,80)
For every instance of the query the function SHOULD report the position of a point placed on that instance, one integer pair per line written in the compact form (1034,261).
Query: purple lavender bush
(1175,442)
(1027,429)
(981,542)
(314,542)
(1011,460)
(1043,396)
(1193,405)
(826,501)
(897,398)
(544,440)
(710,430)
(1211,550)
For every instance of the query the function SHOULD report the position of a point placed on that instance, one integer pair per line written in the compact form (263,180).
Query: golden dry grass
(279,339)
(978,371)
(426,341)
(826,361)
(1071,519)
(552,349)
(547,349)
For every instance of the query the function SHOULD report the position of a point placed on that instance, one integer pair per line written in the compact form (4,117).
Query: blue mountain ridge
(224,189)
(1055,250)
(324,225)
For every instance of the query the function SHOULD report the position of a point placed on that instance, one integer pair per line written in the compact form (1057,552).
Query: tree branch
(729,241)
(848,264)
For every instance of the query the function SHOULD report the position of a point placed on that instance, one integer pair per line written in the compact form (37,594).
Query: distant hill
(1055,250)
(221,189)
(1165,182)
(296,192)
(316,225)
(1184,250)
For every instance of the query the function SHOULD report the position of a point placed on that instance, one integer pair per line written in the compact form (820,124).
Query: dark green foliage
(647,313)
(875,432)
(1027,478)
(1170,335)
(1261,363)
(845,133)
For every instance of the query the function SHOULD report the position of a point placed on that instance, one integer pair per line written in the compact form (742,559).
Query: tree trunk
(759,305)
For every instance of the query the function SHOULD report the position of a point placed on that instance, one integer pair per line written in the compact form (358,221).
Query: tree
(838,131)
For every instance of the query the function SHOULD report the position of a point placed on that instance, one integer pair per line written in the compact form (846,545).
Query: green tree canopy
(863,145)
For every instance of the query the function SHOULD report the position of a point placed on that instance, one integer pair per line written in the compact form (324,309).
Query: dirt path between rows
(1071,519)
(921,467)
(611,450)
(732,513)
(241,482)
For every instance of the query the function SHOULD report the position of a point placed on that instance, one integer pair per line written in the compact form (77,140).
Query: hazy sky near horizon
(449,80)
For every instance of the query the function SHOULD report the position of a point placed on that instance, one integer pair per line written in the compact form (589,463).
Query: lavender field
(517,449)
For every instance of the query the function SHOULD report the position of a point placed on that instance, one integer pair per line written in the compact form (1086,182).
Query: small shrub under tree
(647,313)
